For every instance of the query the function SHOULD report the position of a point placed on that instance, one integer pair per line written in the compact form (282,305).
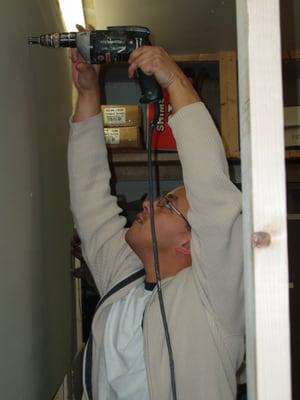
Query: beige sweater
(204,303)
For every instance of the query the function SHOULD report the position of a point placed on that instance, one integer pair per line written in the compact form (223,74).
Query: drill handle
(150,88)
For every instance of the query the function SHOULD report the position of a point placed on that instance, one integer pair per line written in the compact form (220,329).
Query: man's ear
(184,248)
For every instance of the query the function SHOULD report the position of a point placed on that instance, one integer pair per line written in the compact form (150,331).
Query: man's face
(170,225)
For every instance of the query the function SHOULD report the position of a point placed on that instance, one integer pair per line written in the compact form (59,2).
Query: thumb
(82,67)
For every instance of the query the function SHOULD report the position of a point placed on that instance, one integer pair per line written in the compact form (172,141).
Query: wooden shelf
(292,154)
(136,156)
(289,155)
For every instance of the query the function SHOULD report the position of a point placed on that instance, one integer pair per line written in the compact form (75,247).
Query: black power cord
(155,248)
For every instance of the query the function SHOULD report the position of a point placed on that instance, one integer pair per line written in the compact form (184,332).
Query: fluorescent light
(72,13)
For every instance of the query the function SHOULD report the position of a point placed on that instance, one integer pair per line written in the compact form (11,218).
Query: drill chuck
(67,39)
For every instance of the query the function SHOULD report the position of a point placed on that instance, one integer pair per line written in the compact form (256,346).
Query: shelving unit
(229,128)
(124,161)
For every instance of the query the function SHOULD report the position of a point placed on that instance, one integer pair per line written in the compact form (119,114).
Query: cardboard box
(292,127)
(122,137)
(121,115)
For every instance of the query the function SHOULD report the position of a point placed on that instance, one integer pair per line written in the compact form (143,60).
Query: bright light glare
(72,13)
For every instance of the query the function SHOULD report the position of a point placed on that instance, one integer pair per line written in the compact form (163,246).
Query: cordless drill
(104,46)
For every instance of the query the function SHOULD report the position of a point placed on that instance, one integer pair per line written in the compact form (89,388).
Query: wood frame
(230,133)
(264,200)
(228,95)
(229,103)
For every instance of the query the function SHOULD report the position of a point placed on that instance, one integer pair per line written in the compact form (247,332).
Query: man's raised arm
(95,210)
(214,202)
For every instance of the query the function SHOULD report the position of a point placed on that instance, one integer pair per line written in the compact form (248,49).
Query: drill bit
(34,40)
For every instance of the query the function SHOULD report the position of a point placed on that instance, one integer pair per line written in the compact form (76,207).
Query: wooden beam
(264,200)
(123,173)
(196,57)
(228,97)
(292,154)
(130,156)
(291,55)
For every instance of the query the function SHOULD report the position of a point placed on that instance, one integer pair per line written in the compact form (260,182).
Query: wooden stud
(228,97)
(264,200)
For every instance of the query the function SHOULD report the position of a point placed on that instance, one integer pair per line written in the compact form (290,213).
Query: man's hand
(86,80)
(153,60)
(85,76)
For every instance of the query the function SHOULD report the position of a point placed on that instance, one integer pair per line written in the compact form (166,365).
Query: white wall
(35,228)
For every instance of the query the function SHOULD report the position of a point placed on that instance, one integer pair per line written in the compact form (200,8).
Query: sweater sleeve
(214,214)
(95,210)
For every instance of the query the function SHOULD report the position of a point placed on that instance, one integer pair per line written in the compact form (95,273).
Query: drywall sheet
(35,228)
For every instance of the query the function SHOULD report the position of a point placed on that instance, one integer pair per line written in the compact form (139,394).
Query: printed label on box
(112,135)
(114,115)
(292,136)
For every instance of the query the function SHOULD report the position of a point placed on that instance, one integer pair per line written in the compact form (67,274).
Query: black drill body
(116,44)
(104,46)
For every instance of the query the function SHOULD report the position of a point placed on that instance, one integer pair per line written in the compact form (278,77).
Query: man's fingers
(73,54)
(143,59)
(137,53)
(83,29)
(131,70)
(83,67)
(80,28)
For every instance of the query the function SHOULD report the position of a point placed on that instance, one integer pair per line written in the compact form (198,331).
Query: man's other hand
(85,76)
(86,80)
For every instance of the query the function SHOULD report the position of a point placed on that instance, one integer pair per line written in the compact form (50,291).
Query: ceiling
(187,26)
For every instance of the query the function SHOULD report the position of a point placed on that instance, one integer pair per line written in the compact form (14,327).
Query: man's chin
(133,239)
(129,237)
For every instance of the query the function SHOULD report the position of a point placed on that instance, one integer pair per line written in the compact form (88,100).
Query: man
(199,236)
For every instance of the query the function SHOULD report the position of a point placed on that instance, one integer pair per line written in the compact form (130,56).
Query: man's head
(172,230)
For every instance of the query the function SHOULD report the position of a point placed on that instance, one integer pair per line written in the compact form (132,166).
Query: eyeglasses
(164,201)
